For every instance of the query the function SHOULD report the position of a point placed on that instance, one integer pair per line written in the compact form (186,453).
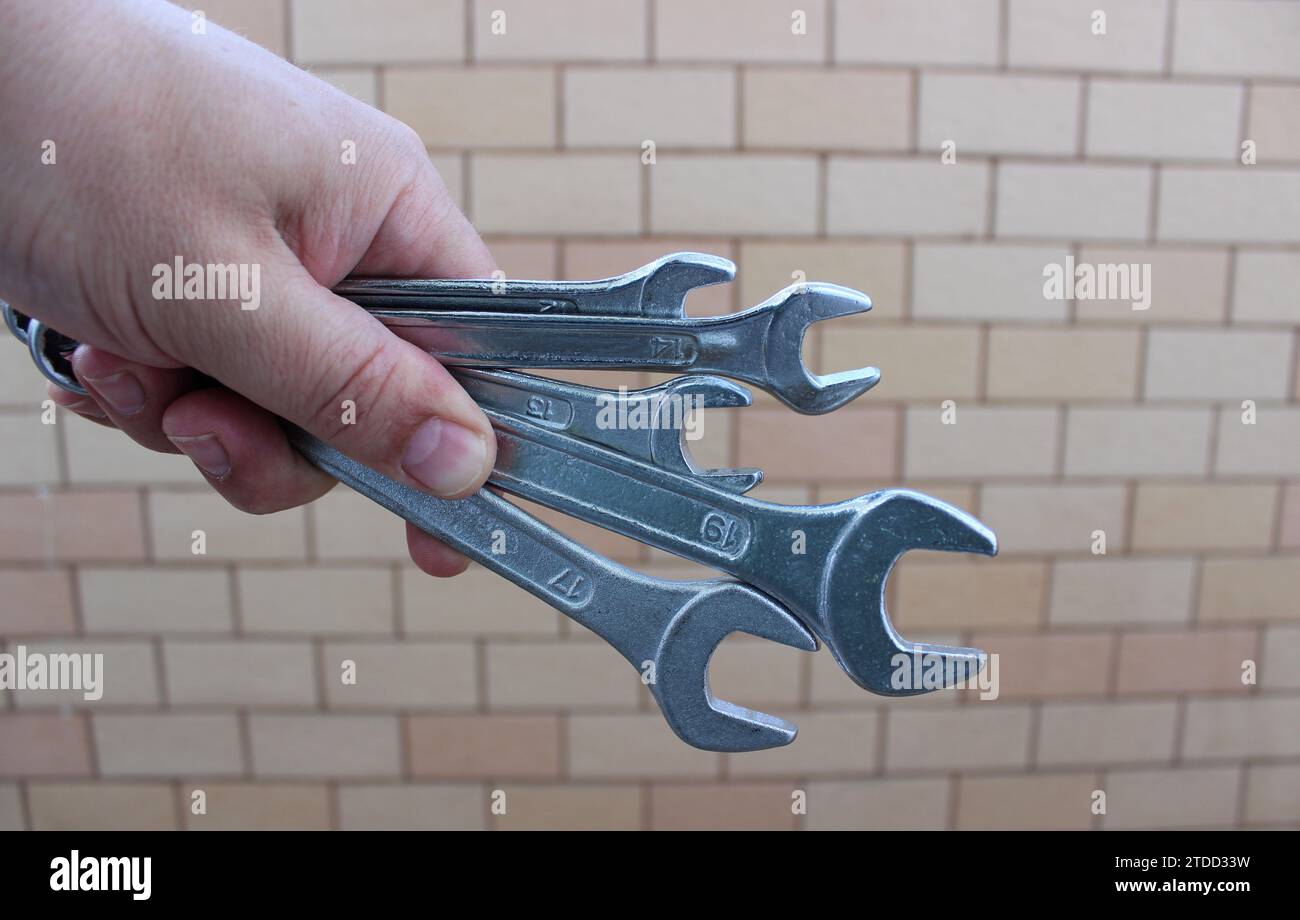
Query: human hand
(205,148)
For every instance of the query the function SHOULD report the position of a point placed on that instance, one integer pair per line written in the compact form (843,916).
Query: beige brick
(256,20)
(1058,34)
(164,744)
(974,736)
(37,601)
(455,746)
(71,526)
(1281,652)
(878,805)
(587,259)
(561,193)
(31,453)
(278,807)
(1274,122)
(1255,205)
(1152,799)
(1250,590)
(1259,727)
(239,673)
(1289,535)
(915,32)
(125,676)
(412,808)
(1217,364)
(1204,516)
(1057,801)
(739,30)
(1053,518)
(906,196)
(570,808)
(476,603)
(984,441)
(1106,733)
(19,387)
(916,362)
(859,443)
(1063,364)
(1257,38)
(1101,591)
(1086,202)
(753,671)
(1136,441)
(823,109)
(1182,662)
(995,113)
(831,687)
(1272,793)
(686,107)
(41,744)
(173,600)
(1266,286)
(1038,665)
(627,746)
(325,745)
(874,267)
(337,600)
(569,673)
(484,107)
(828,742)
(563,30)
(981,282)
(1160,120)
(525,258)
(1268,447)
(11,808)
(729,806)
(229,532)
(408,674)
(965,594)
(361,83)
(378,32)
(102,806)
(752,194)
(350,526)
(450,166)
(1186,285)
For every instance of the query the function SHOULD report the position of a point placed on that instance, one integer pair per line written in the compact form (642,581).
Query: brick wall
(820,153)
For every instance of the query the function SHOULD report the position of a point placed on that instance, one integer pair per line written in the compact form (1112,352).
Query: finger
(134,396)
(242,451)
(432,556)
(85,406)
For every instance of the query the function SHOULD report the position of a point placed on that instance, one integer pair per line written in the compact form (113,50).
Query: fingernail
(121,391)
(207,453)
(447,458)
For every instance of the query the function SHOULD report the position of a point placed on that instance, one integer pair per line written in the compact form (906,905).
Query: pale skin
(169,143)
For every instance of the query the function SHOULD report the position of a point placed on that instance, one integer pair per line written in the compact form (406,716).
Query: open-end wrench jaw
(682,661)
(665,283)
(668,447)
(855,621)
(793,311)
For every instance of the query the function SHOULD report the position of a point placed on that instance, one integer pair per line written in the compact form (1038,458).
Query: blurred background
(1140,466)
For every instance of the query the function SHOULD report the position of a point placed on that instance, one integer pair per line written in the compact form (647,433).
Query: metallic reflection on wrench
(827,563)
(672,626)
(655,290)
(761,346)
(657,437)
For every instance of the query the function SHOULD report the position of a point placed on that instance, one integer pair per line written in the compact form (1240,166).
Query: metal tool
(50,350)
(761,346)
(587,413)
(657,290)
(667,630)
(827,563)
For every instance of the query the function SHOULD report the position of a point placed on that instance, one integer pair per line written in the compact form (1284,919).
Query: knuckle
(369,377)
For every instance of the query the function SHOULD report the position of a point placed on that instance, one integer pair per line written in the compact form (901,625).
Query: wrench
(655,290)
(827,563)
(668,630)
(584,412)
(761,345)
